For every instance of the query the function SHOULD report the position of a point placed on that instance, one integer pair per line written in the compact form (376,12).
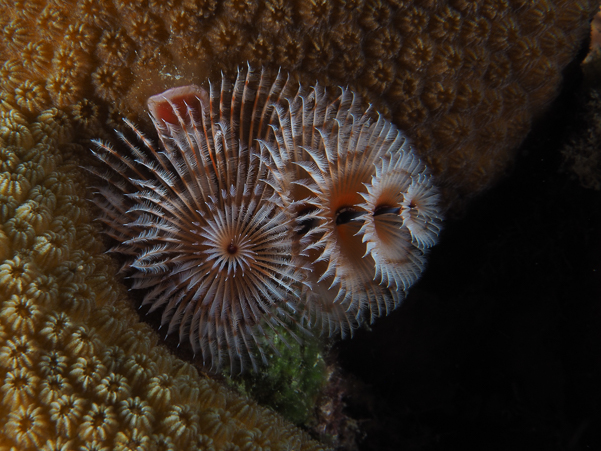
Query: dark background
(498,347)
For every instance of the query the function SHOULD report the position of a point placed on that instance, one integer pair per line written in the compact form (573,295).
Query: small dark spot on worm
(345,215)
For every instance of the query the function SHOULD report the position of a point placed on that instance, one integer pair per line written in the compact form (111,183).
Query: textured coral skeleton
(463,79)
(267,206)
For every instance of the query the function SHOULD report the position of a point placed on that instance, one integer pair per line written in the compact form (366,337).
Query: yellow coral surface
(464,79)
(77,368)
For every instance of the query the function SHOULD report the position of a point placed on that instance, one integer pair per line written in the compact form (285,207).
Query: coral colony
(79,370)
(266,207)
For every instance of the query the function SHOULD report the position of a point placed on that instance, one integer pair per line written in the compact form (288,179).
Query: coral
(27,427)
(77,369)
(507,53)
(422,99)
(581,155)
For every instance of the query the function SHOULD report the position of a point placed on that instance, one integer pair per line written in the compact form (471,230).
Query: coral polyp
(267,205)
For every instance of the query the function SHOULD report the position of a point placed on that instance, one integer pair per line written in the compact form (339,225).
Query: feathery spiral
(350,181)
(203,231)
(267,205)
